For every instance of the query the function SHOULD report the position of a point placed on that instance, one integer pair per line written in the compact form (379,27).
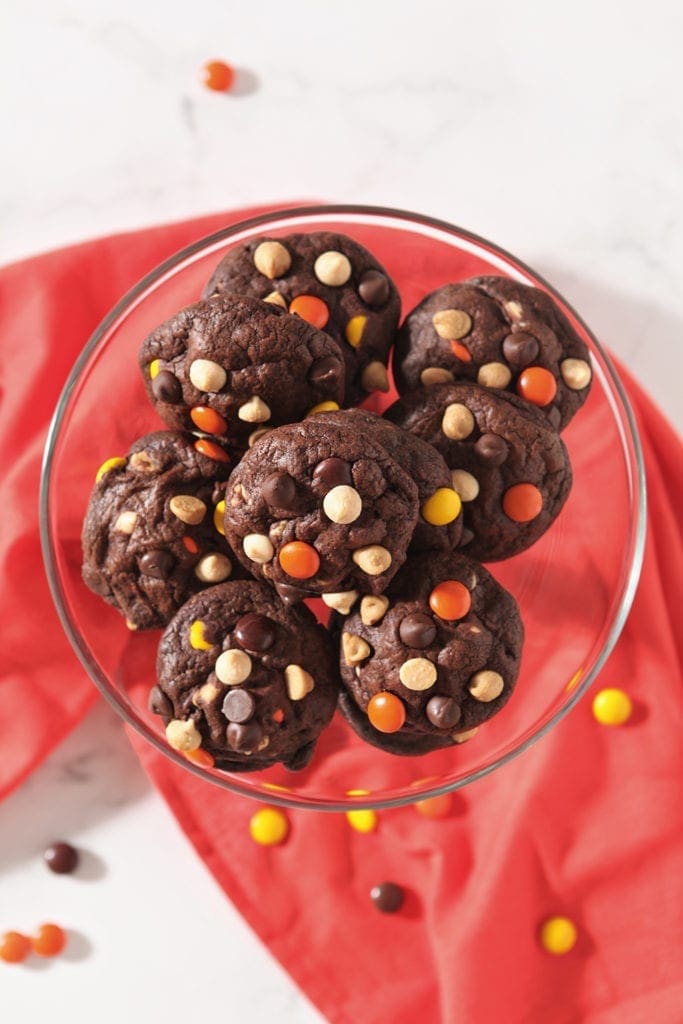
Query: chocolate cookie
(439,524)
(331,281)
(233,366)
(320,508)
(149,539)
(426,663)
(245,679)
(501,334)
(508,464)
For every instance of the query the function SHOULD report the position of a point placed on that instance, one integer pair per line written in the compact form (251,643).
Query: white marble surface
(554,131)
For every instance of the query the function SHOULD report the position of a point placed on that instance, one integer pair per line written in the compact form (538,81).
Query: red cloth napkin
(589,823)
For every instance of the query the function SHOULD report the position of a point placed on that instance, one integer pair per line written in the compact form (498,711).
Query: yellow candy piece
(442,508)
(218,514)
(113,463)
(197,639)
(268,827)
(323,407)
(354,330)
(358,792)
(558,935)
(612,706)
(154,368)
(362,821)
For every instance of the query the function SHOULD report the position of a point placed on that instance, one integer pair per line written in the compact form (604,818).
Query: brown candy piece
(167,388)
(332,473)
(158,564)
(417,630)
(520,349)
(61,858)
(279,490)
(255,632)
(239,705)
(491,449)
(373,288)
(244,738)
(387,897)
(325,371)
(443,712)
(159,704)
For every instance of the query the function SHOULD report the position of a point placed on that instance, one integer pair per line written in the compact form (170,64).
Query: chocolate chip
(417,630)
(373,288)
(61,858)
(325,371)
(443,712)
(332,473)
(159,704)
(492,449)
(239,705)
(166,387)
(243,738)
(279,490)
(288,594)
(520,349)
(387,897)
(158,564)
(255,632)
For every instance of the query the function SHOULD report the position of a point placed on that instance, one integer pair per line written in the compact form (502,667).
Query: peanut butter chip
(272,259)
(341,602)
(452,324)
(417,674)
(373,559)
(233,667)
(143,462)
(457,422)
(187,509)
(576,373)
(205,695)
(373,609)
(298,681)
(183,735)
(207,375)
(256,435)
(435,375)
(494,375)
(486,686)
(465,484)
(513,309)
(375,377)
(342,504)
(354,649)
(468,734)
(332,268)
(254,411)
(276,299)
(126,522)
(258,548)
(213,568)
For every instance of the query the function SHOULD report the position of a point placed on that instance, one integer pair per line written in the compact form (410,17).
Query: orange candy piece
(450,600)
(191,545)
(278,716)
(299,560)
(208,420)
(386,712)
(537,385)
(311,309)
(50,940)
(14,947)
(200,757)
(461,352)
(522,503)
(211,450)
(218,76)
(435,807)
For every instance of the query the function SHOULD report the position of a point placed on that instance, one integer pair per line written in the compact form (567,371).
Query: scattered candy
(612,706)
(200,757)
(387,897)
(537,385)
(363,820)
(61,858)
(558,935)
(311,309)
(522,502)
(218,76)
(450,600)
(299,560)
(50,940)
(268,827)
(14,947)
(386,712)
(435,807)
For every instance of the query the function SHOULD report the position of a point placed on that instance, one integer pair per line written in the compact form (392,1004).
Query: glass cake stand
(574,587)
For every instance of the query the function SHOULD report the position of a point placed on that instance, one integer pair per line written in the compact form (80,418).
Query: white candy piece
(342,601)
(213,568)
(183,735)
(435,375)
(187,509)
(272,259)
(373,559)
(576,373)
(465,484)
(373,609)
(258,548)
(457,422)
(452,324)
(342,504)
(207,376)
(233,667)
(126,522)
(486,685)
(494,375)
(254,411)
(298,681)
(332,268)
(417,674)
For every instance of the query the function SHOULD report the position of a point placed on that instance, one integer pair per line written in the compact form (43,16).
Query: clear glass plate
(574,587)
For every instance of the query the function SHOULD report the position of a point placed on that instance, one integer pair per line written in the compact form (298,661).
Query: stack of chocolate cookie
(268,489)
